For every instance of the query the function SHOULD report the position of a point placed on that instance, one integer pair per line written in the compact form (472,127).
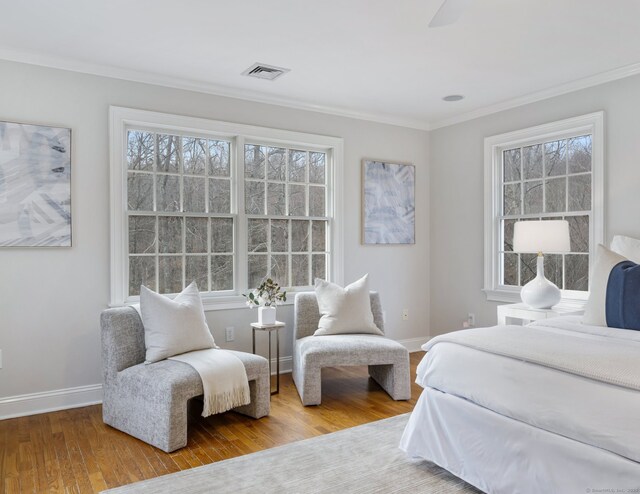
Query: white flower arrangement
(268,294)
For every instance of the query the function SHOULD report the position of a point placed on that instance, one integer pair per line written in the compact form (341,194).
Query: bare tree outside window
(222,204)
(544,181)
(182,218)
(176,186)
(284,242)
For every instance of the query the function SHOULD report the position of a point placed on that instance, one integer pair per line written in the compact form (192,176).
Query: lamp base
(540,293)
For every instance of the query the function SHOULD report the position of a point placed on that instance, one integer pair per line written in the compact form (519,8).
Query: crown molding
(201,87)
(587,82)
(258,97)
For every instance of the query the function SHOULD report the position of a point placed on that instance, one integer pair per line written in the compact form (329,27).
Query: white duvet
(591,411)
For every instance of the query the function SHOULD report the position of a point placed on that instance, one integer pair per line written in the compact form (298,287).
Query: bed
(552,407)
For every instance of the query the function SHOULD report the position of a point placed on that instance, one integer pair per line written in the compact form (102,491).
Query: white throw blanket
(224,379)
(601,358)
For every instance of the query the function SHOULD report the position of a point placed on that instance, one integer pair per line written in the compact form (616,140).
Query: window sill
(210,304)
(513,297)
(231,303)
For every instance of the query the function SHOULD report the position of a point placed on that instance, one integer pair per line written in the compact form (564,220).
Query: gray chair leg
(308,381)
(393,378)
(162,424)
(175,430)
(260,391)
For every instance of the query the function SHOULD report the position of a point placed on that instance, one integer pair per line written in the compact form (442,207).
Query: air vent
(264,71)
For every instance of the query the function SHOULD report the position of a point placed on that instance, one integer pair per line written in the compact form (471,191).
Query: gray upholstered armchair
(150,401)
(387,359)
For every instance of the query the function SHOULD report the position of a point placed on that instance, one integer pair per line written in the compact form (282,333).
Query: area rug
(360,460)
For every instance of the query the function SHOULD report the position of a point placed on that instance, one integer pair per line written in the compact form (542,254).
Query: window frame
(592,123)
(123,119)
(308,218)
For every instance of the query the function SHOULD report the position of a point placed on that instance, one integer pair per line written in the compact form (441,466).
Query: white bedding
(500,455)
(589,411)
(510,426)
(609,359)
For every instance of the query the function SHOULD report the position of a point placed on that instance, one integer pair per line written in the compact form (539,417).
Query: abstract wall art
(388,209)
(35,186)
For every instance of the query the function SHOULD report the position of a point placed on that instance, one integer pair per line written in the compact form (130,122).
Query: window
(284,189)
(553,171)
(180,225)
(222,204)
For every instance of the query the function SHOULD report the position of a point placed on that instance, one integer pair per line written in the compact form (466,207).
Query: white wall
(457,191)
(50,299)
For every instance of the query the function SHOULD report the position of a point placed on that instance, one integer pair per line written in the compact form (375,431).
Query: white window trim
(592,123)
(122,118)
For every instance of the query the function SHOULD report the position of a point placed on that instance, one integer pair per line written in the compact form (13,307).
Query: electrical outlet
(471,319)
(230,333)
(405,314)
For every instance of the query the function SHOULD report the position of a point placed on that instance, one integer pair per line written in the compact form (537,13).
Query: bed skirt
(501,455)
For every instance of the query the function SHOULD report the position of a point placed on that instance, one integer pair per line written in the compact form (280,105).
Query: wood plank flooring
(72,451)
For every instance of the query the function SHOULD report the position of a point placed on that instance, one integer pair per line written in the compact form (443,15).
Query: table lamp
(550,237)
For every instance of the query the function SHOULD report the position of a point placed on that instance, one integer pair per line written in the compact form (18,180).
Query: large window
(222,204)
(180,222)
(548,172)
(285,196)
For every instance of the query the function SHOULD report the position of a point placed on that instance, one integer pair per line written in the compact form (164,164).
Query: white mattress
(592,412)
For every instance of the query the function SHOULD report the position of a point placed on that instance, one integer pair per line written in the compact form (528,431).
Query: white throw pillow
(345,310)
(173,326)
(627,247)
(595,310)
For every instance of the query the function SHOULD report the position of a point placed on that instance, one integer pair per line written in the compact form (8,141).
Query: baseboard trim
(50,401)
(415,344)
(286,365)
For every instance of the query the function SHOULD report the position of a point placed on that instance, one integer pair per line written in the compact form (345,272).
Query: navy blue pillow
(623,296)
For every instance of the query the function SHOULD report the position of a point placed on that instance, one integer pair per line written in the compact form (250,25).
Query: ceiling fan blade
(449,12)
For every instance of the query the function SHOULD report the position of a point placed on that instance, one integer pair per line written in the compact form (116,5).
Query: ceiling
(370,58)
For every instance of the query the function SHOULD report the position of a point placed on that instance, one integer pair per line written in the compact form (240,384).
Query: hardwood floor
(73,451)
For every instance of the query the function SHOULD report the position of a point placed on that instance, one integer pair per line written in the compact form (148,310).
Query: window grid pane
(281,235)
(547,180)
(176,186)
(181,222)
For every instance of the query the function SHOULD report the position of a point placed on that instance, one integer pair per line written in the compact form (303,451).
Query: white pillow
(627,247)
(173,326)
(345,310)
(595,310)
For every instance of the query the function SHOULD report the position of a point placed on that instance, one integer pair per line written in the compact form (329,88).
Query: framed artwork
(388,203)
(35,186)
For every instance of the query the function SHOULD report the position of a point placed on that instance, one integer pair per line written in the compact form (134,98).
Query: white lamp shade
(541,236)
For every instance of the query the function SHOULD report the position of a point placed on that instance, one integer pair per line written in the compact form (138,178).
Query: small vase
(266,315)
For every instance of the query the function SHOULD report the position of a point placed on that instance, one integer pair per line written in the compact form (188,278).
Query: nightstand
(270,328)
(525,314)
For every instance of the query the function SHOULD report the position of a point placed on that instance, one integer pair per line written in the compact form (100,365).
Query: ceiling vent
(264,71)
